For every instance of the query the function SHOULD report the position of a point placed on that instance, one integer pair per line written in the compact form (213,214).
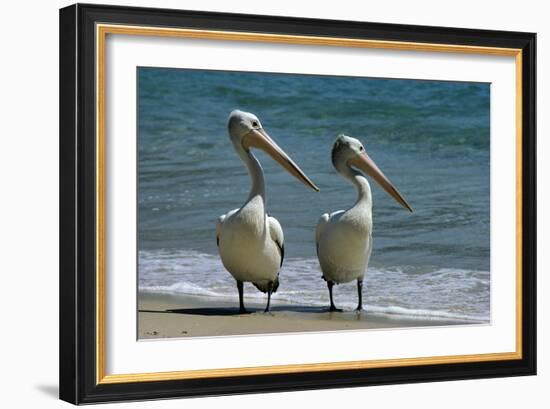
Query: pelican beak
(366,164)
(258,138)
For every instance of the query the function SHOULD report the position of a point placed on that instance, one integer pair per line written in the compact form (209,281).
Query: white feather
(344,244)
(276,231)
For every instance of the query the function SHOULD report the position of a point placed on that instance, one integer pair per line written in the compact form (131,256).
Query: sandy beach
(176,316)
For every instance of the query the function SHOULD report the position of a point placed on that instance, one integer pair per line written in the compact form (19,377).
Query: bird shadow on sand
(228,311)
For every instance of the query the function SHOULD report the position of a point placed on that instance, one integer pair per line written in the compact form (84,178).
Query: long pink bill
(366,164)
(258,138)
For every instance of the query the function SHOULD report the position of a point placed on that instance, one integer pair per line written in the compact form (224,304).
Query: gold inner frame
(101,33)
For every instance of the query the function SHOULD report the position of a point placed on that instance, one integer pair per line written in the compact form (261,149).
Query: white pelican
(250,242)
(344,237)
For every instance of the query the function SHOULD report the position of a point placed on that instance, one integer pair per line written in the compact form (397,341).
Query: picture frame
(83,284)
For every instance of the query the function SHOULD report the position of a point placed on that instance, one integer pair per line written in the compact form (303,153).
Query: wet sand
(171,316)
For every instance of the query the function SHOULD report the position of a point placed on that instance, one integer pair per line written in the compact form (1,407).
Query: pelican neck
(256,173)
(364,195)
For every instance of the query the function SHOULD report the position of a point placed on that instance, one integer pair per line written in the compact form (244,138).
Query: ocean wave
(426,293)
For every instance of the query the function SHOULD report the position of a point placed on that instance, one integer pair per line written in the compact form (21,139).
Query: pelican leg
(330,284)
(269,291)
(360,295)
(242,310)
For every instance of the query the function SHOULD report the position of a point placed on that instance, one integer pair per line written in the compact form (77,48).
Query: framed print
(258,203)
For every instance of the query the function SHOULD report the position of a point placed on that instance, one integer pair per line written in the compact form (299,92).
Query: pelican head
(350,152)
(246,132)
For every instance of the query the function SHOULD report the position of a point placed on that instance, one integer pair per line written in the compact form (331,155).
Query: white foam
(443,293)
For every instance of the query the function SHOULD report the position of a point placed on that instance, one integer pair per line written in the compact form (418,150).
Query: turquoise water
(431,138)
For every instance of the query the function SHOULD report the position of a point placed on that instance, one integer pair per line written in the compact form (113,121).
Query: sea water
(430,138)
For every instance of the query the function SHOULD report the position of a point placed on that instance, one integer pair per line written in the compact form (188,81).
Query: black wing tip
(263,288)
(275,284)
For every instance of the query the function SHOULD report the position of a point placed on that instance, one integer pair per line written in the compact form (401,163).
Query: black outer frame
(77,204)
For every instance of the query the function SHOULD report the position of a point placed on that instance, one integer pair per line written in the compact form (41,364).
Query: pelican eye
(255,124)
(360,148)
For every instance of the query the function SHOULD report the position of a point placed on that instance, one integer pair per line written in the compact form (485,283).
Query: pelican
(344,237)
(250,242)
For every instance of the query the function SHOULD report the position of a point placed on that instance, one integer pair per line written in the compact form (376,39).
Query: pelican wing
(323,221)
(219,224)
(218,228)
(276,233)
